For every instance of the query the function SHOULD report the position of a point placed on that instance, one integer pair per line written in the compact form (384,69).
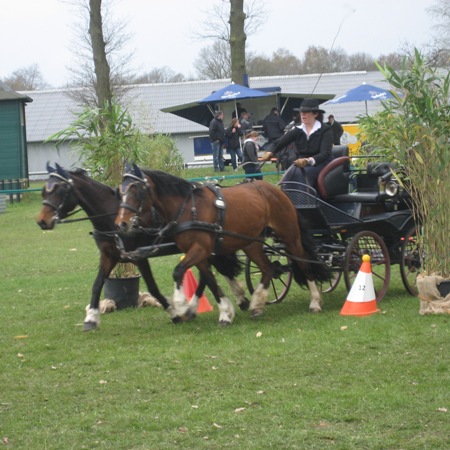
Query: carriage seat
(333,179)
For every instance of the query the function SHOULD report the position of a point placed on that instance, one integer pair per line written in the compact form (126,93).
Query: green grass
(308,382)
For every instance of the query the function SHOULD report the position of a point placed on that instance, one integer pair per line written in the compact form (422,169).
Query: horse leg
(92,319)
(182,309)
(239,292)
(303,271)
(256,254)
(315,304)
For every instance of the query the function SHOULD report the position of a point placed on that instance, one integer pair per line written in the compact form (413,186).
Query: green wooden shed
(13,138)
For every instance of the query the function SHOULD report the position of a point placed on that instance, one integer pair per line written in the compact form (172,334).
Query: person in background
(337,128)
(313,143)
(240,109)
(246,125)
(273,125)
(217,138)
(250,160)
(295,119)
(233,134)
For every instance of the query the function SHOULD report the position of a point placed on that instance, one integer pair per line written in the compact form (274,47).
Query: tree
(26,79)
(159,75)
(231,21)
(101,65)
(214,62)
(237,41)
(282,62)
(96,27)
(315,60)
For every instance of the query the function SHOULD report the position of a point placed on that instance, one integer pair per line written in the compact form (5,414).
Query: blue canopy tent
(202,111)
(363,93)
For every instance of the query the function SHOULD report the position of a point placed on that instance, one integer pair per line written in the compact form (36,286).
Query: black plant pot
(124,291)
(444,288)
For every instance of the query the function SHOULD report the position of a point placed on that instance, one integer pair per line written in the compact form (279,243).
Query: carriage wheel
(410,262)
(368,243)
(332,284)
(280,283)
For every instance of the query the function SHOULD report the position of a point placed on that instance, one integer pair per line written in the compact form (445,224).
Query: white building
(53,110)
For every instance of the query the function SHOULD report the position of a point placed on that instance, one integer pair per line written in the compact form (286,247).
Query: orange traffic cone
(189,287)
(361,300)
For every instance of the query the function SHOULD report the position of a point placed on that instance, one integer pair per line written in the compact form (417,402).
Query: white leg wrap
(193,304)
(237,289)
(259,298)
(226,309)
(315,304)
(179,303)
(93,315)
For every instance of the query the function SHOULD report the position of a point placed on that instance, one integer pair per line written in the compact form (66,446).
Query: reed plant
(413,130)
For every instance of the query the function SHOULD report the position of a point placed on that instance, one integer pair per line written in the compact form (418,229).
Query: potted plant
(413,130)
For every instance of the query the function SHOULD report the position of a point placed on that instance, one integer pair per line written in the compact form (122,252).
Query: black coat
(273,127)
(233,137)
(318,146)
(216,130)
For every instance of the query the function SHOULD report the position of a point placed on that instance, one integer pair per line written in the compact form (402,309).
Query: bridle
(58,209)
(142,188)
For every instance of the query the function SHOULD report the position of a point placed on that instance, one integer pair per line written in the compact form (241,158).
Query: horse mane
(81,173)
(167,184)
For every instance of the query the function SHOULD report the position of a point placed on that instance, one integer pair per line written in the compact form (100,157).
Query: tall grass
(289,380)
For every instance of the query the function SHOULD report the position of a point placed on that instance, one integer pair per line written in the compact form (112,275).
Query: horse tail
(227,265)
(318,270)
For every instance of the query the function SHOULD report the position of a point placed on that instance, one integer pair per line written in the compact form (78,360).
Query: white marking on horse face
(226,309)
(315,297)
(93,315)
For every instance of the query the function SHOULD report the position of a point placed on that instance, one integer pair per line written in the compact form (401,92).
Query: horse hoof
(189,315)
(176,320)
(224,323)
(256,313)
(315,310)
(89,326)
(244,305)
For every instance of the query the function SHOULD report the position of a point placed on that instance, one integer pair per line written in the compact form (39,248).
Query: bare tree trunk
(101,66)
(237,41)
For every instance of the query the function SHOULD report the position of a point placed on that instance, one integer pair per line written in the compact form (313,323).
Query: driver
(313,143)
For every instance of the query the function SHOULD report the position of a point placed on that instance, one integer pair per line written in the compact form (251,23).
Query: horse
(204,220)
(64,191)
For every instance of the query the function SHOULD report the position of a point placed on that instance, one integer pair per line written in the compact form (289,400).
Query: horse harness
(174,227)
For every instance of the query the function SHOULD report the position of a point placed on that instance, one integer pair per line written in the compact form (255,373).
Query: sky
(40,31)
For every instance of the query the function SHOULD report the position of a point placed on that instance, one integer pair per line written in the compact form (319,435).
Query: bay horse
(67,190)
(205,220)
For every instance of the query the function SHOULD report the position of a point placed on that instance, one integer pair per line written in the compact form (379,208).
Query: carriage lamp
(391,188)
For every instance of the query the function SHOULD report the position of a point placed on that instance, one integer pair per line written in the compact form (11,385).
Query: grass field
(288,380)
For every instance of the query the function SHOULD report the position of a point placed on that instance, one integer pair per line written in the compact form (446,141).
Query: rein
(81,219)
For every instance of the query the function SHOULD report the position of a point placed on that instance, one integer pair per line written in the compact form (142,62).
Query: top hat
(311,105)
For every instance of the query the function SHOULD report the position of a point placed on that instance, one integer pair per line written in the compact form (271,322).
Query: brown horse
(205,220)
(67,190)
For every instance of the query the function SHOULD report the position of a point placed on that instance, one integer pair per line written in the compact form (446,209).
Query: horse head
(58,197)
(135,194)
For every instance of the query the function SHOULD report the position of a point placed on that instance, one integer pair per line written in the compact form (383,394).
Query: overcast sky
(38,31)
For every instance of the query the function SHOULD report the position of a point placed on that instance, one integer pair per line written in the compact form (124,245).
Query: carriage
(353,212)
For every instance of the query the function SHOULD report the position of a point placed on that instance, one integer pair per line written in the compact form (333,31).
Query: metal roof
(52,111)
(6,93)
